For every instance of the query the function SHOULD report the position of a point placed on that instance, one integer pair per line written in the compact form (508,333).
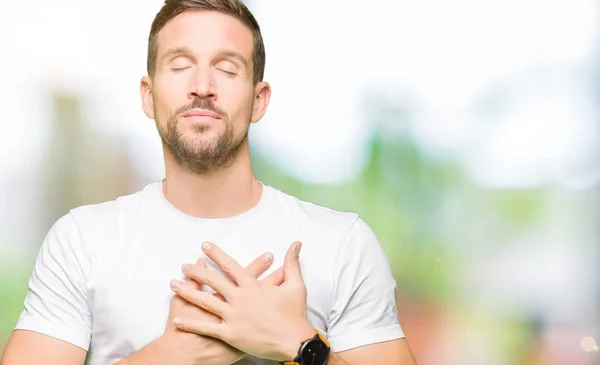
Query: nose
(202,84)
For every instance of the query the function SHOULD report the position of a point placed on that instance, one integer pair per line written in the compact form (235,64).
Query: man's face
(202,96)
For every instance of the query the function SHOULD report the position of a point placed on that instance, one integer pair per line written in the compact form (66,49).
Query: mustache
(199,103)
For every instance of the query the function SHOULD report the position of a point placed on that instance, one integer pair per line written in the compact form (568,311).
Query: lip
(201,113)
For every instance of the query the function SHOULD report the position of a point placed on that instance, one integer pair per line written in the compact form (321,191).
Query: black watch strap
(298,359)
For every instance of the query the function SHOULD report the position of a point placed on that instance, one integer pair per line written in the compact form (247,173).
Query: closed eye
(179,69)
(227,72)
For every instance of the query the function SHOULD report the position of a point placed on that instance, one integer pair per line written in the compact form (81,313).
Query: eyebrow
(236,55)
(187,51)
(174,52)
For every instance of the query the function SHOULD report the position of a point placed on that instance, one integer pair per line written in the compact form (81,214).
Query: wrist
(155,353)
(178,347)
(290,350)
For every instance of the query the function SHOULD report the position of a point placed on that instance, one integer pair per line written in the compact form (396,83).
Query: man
(204,267)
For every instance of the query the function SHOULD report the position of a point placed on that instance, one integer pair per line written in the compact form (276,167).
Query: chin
(196,130)
(201,142)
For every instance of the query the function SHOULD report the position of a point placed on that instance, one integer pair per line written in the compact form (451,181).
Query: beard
(202,156)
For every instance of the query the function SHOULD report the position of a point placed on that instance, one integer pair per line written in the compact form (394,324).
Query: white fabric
(101,279)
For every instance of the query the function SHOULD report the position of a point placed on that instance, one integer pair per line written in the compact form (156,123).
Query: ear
(262,95)
(146,95)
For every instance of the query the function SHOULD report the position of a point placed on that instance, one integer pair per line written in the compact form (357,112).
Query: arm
(27,347)
(55,325)
(167,350)
(391,352)
(364,326)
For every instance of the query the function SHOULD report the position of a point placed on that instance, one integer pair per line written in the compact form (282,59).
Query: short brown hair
(235,8)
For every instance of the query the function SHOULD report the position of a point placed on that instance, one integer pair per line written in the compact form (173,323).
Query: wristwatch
(314,351)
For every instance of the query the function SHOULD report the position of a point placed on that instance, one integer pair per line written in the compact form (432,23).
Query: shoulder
(108,214)
(335,227)
(88,229)
(314,216)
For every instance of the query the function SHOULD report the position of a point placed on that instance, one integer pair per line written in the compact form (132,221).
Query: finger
(260,265)
(291,264)
(229,266)
(202,299)
(204,328)
(217,281)
(275,278)
(194,283)
(189,283)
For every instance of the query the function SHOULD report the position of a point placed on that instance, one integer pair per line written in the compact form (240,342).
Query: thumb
(291,264)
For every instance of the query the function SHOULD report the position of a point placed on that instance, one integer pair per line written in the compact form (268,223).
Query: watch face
(315,353)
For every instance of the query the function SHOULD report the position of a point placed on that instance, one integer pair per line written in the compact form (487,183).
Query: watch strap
(320,336)
(323,339)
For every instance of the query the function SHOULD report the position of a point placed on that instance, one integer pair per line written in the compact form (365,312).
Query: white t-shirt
(101,278)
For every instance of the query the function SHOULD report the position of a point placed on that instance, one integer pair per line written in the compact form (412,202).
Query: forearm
(387,352)
(158,352)
(335,359)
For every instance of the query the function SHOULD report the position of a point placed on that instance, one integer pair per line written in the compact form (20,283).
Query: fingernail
(177,321)
(176,284)
(269,257)
(298,247)
(184,267)
(206,246)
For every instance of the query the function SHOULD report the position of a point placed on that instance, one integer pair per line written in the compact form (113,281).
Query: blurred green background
(468,145)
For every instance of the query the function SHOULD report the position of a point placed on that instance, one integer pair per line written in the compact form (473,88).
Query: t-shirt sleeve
(56,303)
(364,310)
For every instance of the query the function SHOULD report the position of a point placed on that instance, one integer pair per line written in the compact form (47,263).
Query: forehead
(205,31)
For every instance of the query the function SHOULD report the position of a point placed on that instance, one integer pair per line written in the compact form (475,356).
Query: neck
(220,194)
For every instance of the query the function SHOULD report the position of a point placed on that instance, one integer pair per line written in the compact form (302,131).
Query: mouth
(200,114)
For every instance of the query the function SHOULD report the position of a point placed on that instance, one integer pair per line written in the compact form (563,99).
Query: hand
(208,350)
(263,320)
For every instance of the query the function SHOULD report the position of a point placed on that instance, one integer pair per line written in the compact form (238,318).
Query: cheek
(166,101)
(237,100)
(241,113)
(160,109)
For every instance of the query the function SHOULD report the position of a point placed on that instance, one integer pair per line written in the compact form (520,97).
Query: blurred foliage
(420,207)
(13,287)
